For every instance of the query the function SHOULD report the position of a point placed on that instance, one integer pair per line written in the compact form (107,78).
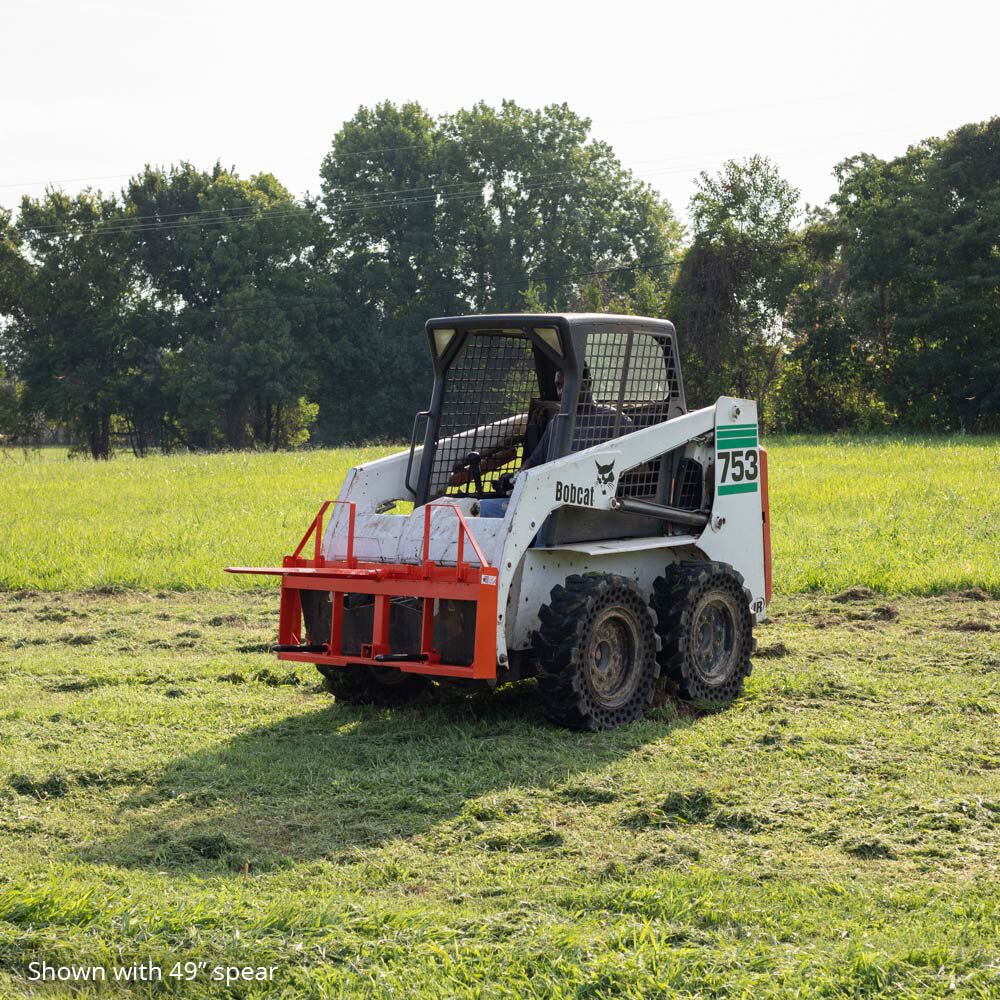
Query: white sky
(91,91)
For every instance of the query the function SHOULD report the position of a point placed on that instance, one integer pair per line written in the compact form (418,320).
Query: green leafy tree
(488,209)
(825,380)
(390,268)
(921,251)
(736,278)
(227,262)
(535,202)
(77,322)
(380,193)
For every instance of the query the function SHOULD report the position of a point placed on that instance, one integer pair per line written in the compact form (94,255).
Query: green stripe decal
(725,491)
(742,432)
(735,427)
(728,443)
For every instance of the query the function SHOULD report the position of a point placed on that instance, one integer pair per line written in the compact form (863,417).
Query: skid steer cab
(571,520)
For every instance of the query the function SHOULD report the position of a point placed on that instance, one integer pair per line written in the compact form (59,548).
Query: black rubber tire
(359,684)
(706,631)
(363,685)
(596,652)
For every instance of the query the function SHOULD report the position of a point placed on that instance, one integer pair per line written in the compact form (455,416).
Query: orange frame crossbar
(429,581)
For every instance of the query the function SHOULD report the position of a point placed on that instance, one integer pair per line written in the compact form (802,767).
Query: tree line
(199,309)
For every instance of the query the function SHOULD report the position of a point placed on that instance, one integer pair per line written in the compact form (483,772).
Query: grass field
(914,516)
(169,793)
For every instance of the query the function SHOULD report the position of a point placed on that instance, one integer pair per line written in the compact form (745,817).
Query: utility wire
(672,116)
(560,279)
(401,198)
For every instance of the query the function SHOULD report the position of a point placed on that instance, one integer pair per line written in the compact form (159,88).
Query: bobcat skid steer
(571,520)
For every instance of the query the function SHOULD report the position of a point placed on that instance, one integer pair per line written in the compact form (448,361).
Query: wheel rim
(714,634)
(612,656)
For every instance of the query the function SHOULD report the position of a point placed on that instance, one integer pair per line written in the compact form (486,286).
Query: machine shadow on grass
(331,783)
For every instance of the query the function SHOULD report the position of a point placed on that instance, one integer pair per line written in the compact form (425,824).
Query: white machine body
(723,438)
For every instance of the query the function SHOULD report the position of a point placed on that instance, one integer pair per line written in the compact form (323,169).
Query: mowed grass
(170,793)
(914,515)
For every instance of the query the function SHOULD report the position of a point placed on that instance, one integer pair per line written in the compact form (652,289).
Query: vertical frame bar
(765,512)
(484,658)
(318,536)
(336,622)
(289,616)
(427,539)
(622,382)
(427,628)
(351,561)
(380,625)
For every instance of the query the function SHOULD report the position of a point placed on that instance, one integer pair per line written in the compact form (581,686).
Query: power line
(125,226)
(561,279)
(381,199)
(403,197)
(406,196)
(672,116)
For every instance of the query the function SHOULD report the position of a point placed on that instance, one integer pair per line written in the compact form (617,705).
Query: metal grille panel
(687,486)
(487,394)
(633,379)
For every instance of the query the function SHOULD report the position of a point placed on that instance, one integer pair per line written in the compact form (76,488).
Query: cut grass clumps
(51,786)
(60,783)
(868,849)
(589,794)
(680,810)
(677,808)
(210,846)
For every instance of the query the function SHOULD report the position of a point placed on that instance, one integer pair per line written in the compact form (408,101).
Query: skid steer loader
(571,520)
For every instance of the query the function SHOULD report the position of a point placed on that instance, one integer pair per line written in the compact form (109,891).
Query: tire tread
(558,645)
(673,599)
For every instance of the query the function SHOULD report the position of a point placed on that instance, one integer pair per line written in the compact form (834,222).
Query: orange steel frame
(428,581)
(765,509)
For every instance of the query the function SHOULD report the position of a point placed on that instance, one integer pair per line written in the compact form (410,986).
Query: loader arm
(733,531)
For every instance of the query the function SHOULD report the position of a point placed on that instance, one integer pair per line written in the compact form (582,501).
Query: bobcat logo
(583,496)
(605,476)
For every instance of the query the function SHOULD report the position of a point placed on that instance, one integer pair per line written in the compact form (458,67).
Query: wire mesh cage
(632,383)
(487,395)
(492,389)
(688,487)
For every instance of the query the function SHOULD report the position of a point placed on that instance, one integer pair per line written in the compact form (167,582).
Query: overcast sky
(91,91)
